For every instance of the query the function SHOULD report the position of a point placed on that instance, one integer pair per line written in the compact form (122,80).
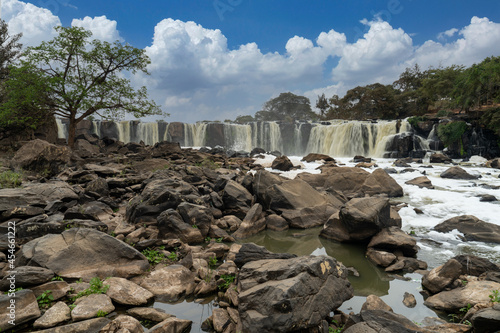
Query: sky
(218,59)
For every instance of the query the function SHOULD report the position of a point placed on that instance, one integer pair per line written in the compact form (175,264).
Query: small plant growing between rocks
(57,278)
(154,256)
(495,296)
(10,179)
(212,262)
(97,286)
(228,279)
(101,313)
(173,256)
(45,299)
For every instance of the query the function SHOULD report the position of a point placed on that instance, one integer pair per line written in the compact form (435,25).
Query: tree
(289,107)
(438,83)
(83,77)
(244,119)
(10,49)
(322,105)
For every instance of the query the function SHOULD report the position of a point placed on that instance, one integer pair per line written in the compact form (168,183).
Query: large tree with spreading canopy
(82,77)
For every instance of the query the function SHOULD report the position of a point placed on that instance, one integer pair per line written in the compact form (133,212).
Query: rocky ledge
(106,229)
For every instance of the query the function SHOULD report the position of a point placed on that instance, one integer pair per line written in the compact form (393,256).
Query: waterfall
(62,129)
(238,137)
(195,135)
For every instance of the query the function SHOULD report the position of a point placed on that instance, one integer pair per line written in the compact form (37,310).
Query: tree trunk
(71,132)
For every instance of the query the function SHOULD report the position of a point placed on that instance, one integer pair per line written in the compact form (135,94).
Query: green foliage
(154,256)
(212,262)
(57,278)
(97,286)
(442,113)
(286,107)
(83,76)
(244,119)
(415,120)
(228,279)
(45,299)
(208,163)
(491,119)
(495,296)
(101,313)
(10,179)
(451,132)
(173,256)
(322,105)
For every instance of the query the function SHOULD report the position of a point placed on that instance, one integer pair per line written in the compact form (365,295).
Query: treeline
(414,93)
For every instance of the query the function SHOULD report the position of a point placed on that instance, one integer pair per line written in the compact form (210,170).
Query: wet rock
(392,239)
(407,264)
(473,228)
(379,182)
(126,292)
(473,265)
(123,324)
(291,294)
(457,172)
(276,223)
(440,158)
(487,320)
(253,223)
(197,215)
(381,258)
(251,252)
(382,321)
(374,302)
(171,324)
(282,163)
(487,198)
(409,300)
(172,226)
(220,319)
(422,182)
(19,309)
(57,314)
(67,255)
(453,300)
(312,157)
(261,182)
(88,306)
(152,314)
(170,283)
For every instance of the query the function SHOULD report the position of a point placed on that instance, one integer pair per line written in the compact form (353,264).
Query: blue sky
(217,59)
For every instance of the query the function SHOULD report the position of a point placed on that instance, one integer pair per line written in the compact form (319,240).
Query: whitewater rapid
(448,199)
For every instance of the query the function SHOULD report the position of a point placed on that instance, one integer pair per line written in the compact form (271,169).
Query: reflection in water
(190,310)
(371,280)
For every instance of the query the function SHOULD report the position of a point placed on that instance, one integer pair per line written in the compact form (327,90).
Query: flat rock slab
(170,283)
(86,326)
(21,307)
(57,314)
(126,292)
(89,306)
(83,253)
(473,228)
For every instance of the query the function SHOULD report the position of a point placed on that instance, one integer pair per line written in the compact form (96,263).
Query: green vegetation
(495,296)
(101,313)
(415,120)
(173,256)
(74,77)
(154,256)
(45,299)
(208,163)
(228,279)
(57,278)
(212,262)
(451,132)
(10,179)
(97,286)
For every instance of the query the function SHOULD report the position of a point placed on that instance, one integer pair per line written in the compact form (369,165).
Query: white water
(450,198)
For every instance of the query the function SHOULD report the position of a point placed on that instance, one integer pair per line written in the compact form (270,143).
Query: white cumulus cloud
(102,28)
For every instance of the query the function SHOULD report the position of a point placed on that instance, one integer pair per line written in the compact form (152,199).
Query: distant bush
(9,179)
(442,113)
(451,132)
(415,120)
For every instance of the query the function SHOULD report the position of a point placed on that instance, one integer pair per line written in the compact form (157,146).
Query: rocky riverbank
(104,230)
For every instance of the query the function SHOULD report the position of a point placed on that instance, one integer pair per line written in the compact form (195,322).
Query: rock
(237,199)
(276,223)
(422,182)
(86,326)
(374,302)
(457,172)
(22,307)
(251,252)
(173,325)
(439,158)
(282,163)
(409,300)
(197,215)
(473,228)
(98,186)
(381,258)
(382,321)
(312,157)
(487,198)
(300,204)
(28,276)
(170,283)
(451,301)
(407,264)
(487,320)
(123,324)
(58,289)
(291,294)
(55,315)
(346,180)
(172,226)
(42,157)
(392,239)
(379,182)
(261,182)
(220,319)
(89,306)
(473,265)
(252,224)
(126,292)
(67,255)
(152,314)
(359,219)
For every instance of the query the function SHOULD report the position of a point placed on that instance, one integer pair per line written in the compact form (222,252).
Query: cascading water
(340,138)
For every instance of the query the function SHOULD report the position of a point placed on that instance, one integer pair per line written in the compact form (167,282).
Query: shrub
(451,132)
(10,179)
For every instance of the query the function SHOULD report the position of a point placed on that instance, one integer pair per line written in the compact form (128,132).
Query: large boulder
(253,223)
(261,182)
(473,228)
(86,326)
(282,163)
(250,252)
(123,291)
(237,199)
(473,265)
(441,277)
(379,182)
(453,300)
(83,253)
(457,172)
(89,306)
(282,295)
(172,226)
(170,283)
(58,313)
(392,239)
(422,182)
(440,158)
(359,219)
(27,276)
(373,321)
(42,157)
(487,320)
(300,204)
(18,308)
(197,215)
